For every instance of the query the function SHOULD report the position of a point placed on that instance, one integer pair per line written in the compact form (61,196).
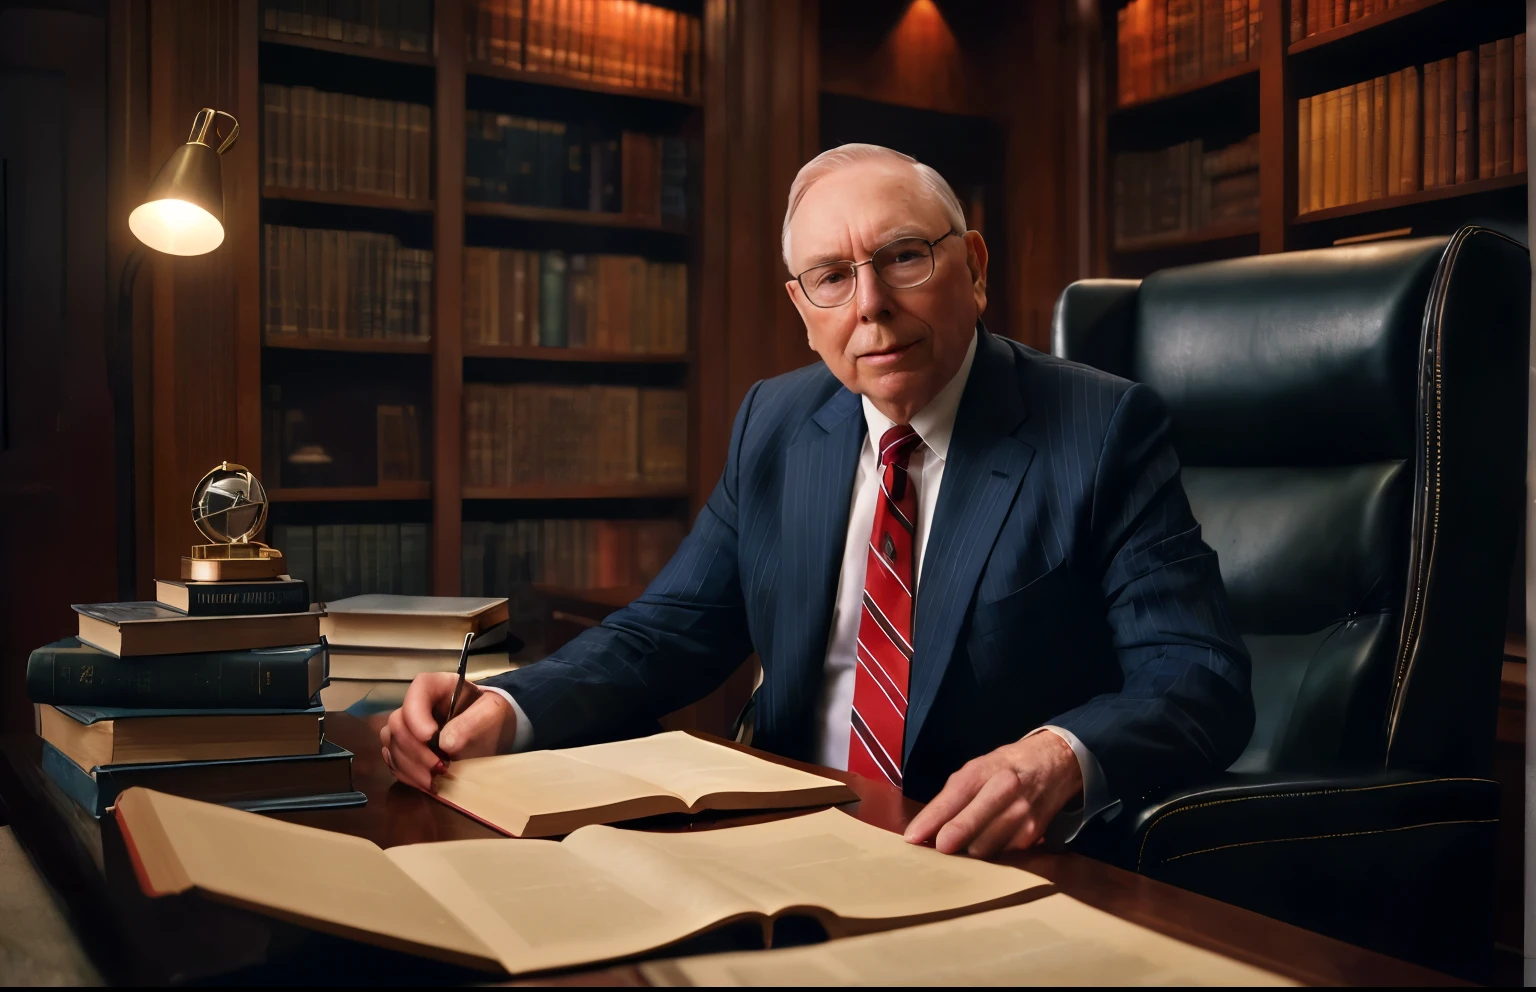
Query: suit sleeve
(680,640)
(1185,707)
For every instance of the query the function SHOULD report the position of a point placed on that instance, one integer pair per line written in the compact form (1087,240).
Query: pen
(458,687)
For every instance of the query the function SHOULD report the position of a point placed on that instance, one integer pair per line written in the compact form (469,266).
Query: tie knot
(897,445)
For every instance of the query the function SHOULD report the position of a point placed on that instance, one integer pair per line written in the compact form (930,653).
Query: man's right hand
(485,724)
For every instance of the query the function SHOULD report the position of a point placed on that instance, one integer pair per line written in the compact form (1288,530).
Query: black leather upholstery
(1352,427)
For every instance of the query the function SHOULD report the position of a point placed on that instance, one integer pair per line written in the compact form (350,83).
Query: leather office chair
(1352,426)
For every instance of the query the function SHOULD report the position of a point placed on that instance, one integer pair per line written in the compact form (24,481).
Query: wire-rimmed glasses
(905,263)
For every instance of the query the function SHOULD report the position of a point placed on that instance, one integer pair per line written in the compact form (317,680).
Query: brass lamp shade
(183,213)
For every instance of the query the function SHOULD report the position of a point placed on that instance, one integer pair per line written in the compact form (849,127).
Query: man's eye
(830,279)
(906,256)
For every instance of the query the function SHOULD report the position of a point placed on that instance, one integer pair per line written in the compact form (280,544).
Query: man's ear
(976,261)
(792,287)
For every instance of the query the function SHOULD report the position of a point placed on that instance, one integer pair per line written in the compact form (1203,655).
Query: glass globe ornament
(229,505)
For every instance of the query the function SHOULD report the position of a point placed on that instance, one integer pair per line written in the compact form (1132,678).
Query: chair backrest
(1352,426)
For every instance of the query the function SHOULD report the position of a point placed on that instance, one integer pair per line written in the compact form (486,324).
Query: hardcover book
(93,736)
(267,785)
(133,629)
(414,622)
(546,793)
(224,599)
(70,673)
(1053,941)
(599,894)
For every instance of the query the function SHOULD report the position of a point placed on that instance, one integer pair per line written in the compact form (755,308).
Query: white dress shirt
(935,423)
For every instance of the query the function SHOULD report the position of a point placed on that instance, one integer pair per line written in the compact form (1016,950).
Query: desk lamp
(182,214)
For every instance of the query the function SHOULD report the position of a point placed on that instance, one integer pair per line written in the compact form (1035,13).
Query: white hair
(833,159)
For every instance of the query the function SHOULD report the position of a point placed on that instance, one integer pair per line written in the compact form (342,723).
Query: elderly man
(968,568)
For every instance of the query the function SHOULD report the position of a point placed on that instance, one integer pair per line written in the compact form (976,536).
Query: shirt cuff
(522,738)
(1096,798)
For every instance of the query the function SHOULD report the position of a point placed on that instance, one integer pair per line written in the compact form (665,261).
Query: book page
(1052,941)
(691,768)
(539,904)
(336,882)
(829,860)
(508,790)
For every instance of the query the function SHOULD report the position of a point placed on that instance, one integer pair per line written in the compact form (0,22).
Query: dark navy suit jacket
(1064,582)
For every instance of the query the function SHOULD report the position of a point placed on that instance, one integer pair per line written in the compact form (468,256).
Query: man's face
(897,346)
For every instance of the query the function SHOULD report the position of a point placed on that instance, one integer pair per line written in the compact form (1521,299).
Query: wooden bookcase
(435,370)
(1261,96)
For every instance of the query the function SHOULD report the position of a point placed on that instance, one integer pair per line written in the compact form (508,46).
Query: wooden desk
(140,940)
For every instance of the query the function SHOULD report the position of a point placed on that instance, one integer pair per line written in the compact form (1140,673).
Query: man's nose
(872,296)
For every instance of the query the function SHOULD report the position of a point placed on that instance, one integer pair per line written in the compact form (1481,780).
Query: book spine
(1362,178)
(1412,141)
(1431,123)
(1304,155)
(1379,161)
(1315,153)
(1445,127)
(1503,106)
(1347,145)
(1486,60)
(241,599)
(1394,134)
(77,676)
(1466,116)
(1331,136)
(1517,140)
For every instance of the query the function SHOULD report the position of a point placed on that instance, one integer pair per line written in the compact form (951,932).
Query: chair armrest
(1393,860)
(1249,811)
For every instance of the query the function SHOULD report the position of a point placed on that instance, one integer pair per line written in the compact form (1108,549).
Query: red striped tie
(885,629)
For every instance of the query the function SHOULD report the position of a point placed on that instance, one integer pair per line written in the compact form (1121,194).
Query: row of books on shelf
(1308,17)
(510,558)
(345,284)
(1184,189)
(301,449)
(532,433)
(1447,122)
(548,163)
(608,302)
(1164,44)
(393,25)
(614,42)
(338,561)
(338,142)
(214,690)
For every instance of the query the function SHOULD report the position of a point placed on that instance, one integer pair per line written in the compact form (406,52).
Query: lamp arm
(119,353)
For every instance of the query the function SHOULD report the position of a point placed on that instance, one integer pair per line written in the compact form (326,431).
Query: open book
(1053,941)
(532,905)
(547,793)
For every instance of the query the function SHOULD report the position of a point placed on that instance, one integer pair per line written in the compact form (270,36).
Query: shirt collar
(935,423)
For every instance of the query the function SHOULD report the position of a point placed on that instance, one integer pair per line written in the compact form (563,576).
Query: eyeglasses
(905,263)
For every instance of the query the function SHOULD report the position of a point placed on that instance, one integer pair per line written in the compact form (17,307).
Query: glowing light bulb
(176,227)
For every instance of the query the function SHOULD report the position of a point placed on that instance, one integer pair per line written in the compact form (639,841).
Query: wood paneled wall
(760,125)
(205,310)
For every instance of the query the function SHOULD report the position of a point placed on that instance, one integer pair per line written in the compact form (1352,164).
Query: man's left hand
(1003,800)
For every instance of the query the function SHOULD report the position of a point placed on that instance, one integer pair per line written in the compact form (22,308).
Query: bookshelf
(1268,95)
(340,386)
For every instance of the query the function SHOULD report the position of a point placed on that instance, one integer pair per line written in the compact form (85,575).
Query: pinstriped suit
(1064,582)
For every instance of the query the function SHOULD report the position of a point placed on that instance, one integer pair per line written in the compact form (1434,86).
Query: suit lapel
(982,474)
(818,490)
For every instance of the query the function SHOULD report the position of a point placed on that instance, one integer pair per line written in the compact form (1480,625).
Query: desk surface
(141,940)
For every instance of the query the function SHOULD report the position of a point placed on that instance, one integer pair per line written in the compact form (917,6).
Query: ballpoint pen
(458,687)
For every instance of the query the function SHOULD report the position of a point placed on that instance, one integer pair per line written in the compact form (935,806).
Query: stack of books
(383,641)
(211,693)
(344,284)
